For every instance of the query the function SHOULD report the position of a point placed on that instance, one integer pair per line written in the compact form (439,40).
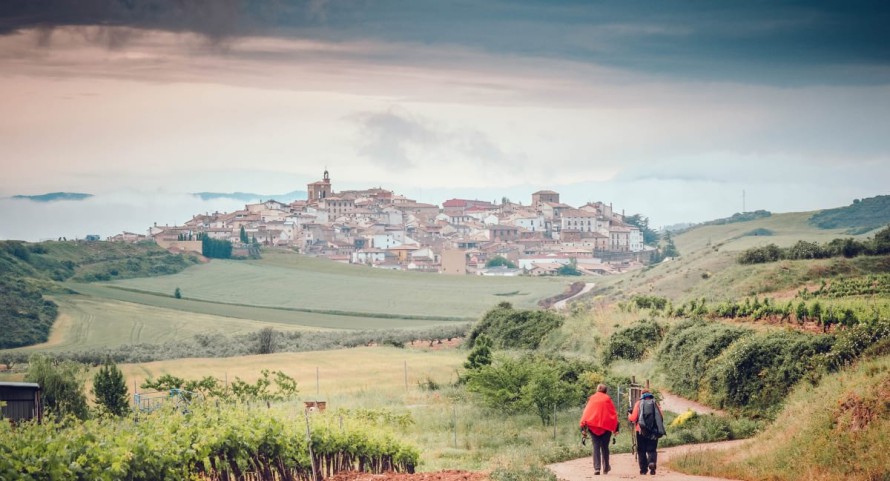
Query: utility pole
(743,201)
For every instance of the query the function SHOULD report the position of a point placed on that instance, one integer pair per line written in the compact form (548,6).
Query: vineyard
(843,309)
(208,441)
(874,285)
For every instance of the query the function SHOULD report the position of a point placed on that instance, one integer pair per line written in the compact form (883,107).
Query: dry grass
(345,373)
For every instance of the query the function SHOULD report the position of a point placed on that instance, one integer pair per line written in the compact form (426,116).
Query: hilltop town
(378,228)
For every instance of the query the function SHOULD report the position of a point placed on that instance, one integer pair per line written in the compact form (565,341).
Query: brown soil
(438,476)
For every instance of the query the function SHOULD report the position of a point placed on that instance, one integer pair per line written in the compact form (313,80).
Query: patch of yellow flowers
(681,419)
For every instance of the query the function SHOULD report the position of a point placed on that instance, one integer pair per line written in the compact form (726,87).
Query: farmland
(88,322)
(284,291)
(291,281)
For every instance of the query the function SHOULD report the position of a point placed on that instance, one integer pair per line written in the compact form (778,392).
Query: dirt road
(624,466)
(565,302)
(679,405)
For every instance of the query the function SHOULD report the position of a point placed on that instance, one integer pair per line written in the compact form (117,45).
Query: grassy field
(88,322)
(284,291)
(786,229)
(292,281)
(342,374)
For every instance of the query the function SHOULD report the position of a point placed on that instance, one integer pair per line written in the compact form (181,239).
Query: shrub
(633,342)
(61,384)
(531,383)
(756,373)
(687,350)
(509,328)
(851,343)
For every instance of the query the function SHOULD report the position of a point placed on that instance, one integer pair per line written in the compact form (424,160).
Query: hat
(646,394)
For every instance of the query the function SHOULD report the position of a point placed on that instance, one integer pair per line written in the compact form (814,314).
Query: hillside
(860,216)
(29,272)
(707,266)
(835,430)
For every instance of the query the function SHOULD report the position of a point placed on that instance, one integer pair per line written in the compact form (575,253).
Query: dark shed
(22,401)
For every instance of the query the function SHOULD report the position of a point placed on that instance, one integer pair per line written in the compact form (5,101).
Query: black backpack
(651,422)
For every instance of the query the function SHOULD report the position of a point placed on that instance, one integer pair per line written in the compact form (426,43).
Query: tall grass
(836,430)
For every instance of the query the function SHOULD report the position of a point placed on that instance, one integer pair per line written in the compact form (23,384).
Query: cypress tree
(110,390)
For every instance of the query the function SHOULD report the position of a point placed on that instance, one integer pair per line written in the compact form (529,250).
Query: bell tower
(320,189)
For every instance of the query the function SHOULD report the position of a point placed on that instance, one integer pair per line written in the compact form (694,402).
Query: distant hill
(54,196)
(861,216)
(251,197)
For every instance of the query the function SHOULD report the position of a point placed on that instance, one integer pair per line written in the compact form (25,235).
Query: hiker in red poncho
(601,420)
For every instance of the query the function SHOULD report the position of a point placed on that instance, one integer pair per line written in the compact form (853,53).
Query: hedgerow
(687,350)
(755,373)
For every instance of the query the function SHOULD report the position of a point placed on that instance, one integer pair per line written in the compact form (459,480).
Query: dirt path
(624,466)
(558,306)
(674,403)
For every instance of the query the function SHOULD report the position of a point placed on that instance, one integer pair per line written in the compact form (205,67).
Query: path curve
(624,466)
(560,305)
(672,402)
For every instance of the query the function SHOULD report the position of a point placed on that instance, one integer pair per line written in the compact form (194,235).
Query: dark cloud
(783,42)
(387,137)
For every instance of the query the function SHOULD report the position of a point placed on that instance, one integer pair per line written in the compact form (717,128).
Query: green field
(88,322)
(284,291)
(296,282)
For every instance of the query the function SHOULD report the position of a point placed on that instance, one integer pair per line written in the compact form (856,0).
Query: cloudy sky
(669,108)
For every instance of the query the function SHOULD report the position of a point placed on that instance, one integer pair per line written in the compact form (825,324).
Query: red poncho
(599,414)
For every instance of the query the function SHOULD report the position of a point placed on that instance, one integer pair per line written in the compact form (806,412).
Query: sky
(671,109)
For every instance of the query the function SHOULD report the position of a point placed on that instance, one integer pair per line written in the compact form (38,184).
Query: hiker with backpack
(649,422)
(600,420)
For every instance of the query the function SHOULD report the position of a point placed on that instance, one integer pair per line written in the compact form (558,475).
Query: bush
(687,350)
(509,328)
(61,384)
(633,342)
(755,374)
(851,343)
(531,383)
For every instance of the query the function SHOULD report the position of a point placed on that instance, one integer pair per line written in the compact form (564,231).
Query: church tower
(321,189)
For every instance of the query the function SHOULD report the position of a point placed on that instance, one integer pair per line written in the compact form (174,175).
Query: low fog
(104,214)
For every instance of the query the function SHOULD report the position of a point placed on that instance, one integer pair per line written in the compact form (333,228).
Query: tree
(670,250)
(650,237)
(498,261)
(266,341)
(177,293)
(243,235)
(570,269)
(481,353)
(61,383)
(110,390)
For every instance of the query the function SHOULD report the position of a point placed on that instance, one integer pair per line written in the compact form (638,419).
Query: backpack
(651,421)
